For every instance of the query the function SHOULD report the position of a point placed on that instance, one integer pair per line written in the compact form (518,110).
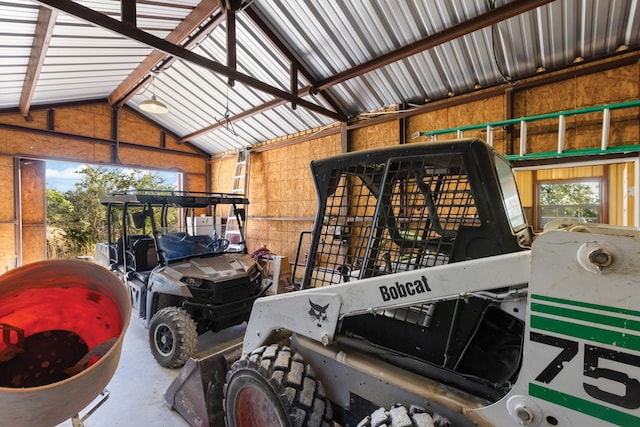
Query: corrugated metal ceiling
(326,38)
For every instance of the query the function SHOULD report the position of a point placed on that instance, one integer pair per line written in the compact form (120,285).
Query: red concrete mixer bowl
(62,324)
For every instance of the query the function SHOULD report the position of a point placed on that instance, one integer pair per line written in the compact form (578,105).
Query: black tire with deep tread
(399,416)
(288,381)
(178,326)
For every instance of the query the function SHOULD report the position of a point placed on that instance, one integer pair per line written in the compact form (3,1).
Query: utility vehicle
(428,300)
(183,281)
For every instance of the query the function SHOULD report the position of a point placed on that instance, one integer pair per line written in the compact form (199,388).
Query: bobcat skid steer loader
(428,301)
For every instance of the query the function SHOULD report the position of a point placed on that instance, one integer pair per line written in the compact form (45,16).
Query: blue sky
(64,175)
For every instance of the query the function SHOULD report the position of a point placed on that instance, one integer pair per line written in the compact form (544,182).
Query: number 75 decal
(592,355)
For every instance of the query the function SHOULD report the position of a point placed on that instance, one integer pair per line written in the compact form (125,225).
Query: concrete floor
(136,391)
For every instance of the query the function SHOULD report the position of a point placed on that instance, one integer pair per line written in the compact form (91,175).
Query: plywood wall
(281,191)
(8,218)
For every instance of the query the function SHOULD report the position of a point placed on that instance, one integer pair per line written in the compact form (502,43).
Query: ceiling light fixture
(152,105)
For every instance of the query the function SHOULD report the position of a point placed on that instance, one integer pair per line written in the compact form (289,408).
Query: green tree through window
(569,201)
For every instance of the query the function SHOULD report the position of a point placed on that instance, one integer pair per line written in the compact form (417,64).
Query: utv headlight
(192,281)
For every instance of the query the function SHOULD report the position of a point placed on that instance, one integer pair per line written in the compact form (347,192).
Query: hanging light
(152,105)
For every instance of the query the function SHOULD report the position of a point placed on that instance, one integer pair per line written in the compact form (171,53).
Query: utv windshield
(179,232)
(180,245)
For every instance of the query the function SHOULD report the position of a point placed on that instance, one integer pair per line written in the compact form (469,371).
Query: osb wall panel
(32,186)
(79,121)
(486,110)
(7,203)
(38,119)
(38,145)
(582,131)
(281,192)
(136,130)
(432,120)
(375,136)
(33,243)
(223,171)
(139,157)
(8,253)
(195,182)
(561,174)
(95,121)
(524,182)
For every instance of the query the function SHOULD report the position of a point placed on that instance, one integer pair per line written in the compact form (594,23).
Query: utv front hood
(216,269)
(223,268)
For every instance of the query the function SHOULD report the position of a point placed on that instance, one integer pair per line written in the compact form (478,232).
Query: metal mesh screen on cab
(390,217)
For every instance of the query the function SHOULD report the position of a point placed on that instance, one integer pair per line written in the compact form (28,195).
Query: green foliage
(570,193)
(570,200)
(77,214)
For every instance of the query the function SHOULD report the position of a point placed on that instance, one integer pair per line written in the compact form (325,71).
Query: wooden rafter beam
(456,31)
(244,115)
(481,21)
(129,12)
(231,42)
(106,22)
(128,87)
(41,39)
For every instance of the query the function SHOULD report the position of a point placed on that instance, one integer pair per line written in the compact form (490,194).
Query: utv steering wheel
(219,245)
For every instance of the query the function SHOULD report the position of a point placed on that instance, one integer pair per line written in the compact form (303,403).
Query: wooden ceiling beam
(240,116)
(453,32)
(138,77)
(286,52)
(96,18)
(42,37)
(481,21)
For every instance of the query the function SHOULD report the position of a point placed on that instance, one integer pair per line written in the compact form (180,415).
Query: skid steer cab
(428,301)
(183,277)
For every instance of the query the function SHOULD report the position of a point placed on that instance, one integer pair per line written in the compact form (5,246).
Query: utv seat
(144,251)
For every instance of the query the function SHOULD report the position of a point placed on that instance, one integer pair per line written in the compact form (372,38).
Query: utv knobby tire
(172,337)
(271,387)
(400,416)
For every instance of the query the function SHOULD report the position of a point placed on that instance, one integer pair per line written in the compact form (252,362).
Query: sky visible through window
(63,176)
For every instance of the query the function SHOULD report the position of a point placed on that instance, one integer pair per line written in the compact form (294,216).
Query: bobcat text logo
(318,312)
(403,290)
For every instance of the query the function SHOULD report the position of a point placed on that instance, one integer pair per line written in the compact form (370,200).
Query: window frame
(602,206)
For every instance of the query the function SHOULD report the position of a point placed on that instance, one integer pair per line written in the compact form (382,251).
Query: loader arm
(315,313)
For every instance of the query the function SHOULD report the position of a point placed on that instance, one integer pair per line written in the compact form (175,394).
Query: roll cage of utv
(156,221)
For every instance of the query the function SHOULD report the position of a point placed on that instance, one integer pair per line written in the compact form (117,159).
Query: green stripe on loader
(596,410)
(591,333)
(617,322)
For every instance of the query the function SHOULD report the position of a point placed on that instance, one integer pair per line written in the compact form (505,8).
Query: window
(575,200)
(510,195)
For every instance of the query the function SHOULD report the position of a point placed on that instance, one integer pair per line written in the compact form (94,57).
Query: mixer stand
(76,421)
